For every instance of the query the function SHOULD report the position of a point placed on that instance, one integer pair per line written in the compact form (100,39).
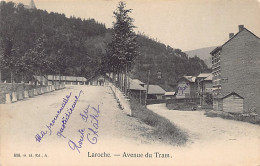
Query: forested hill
(38,42)
(166,64)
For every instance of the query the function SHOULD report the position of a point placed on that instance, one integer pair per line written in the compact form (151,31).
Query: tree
(37,60)
(123,47)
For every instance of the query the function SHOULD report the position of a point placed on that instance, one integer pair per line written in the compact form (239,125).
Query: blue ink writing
(65,119)
(88,115)
(92,135)
(73,145)
(38,137)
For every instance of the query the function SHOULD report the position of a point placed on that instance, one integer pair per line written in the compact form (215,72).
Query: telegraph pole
(147,88)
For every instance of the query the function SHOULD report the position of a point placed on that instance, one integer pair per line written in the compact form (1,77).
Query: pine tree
(123,47)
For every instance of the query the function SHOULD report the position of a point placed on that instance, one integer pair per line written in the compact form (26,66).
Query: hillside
(35,42)
(202,53)
(166,64)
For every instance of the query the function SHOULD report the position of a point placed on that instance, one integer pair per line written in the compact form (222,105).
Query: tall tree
(123,47)
(38,62)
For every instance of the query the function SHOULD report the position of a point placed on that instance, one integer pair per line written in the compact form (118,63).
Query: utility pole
(147,88)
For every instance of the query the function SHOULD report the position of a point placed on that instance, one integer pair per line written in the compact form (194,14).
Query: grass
(250,118)
(163,128)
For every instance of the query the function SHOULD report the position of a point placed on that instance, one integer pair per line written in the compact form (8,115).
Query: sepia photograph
(130,82)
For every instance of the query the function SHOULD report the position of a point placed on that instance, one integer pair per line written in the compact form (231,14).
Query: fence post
(14,96)
(8,98)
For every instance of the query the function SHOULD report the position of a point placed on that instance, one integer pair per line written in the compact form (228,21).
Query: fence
(20,94)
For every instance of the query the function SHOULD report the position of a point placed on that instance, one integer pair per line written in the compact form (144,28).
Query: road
(215,140)
(65,140)
(107,131)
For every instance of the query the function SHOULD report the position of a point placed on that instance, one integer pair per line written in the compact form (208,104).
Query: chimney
(231,35)
(240,27)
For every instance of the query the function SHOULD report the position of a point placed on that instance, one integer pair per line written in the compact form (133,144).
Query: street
(93,131)
(83,125)
(216,140)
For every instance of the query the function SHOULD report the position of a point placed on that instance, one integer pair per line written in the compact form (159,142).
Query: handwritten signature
(38,136)
(92,114)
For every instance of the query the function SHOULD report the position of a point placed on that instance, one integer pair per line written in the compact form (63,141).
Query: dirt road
(215,140)
(70,137)
(82,125)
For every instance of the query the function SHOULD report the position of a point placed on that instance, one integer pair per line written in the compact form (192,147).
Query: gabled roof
(134,86)
(203,75)
(138,81)
(220,47)
(155,89)
(188,78)
(225,95)
(209,78)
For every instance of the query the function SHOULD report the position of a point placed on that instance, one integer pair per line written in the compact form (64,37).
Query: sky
(183,24)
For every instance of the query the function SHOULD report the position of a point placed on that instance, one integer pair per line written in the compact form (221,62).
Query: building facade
(236,68)
(187,87)
(204,81)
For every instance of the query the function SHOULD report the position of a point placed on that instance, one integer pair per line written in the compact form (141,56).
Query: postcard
(140,82)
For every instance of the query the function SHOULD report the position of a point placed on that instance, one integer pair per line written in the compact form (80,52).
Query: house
(236,68)
(232,103)
(155,92)
(139,82)
(37,80)
(204,81)
(99,80)
(169,95)
(68,80)
(187,87)
(56,79)
(136,91)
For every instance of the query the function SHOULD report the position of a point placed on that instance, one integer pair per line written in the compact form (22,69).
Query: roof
(188,78)
(39,78)
(155,89)
(138,81)
(220,47)
(203,75)
(169,93)
(66,78)
(225,95)
(134,86)
(209,78)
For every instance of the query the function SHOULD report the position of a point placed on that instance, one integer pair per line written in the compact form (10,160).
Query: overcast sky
(184,24)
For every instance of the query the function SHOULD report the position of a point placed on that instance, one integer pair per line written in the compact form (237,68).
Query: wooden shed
(231,102)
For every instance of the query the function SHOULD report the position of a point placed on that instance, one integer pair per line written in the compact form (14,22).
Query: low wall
(155,101)
(183,100)
(183,103)
(14,92)
(122,100)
